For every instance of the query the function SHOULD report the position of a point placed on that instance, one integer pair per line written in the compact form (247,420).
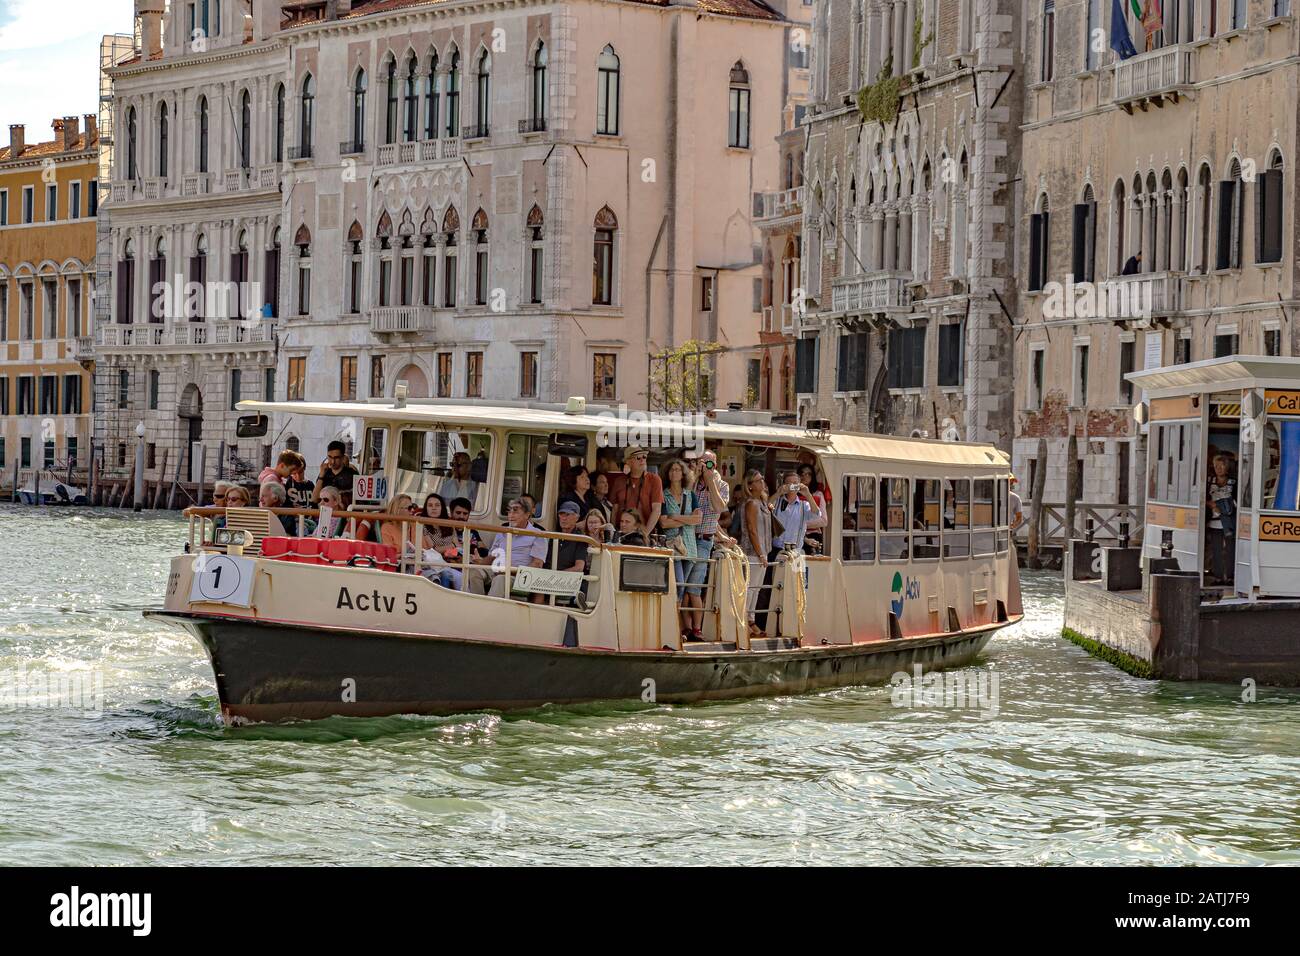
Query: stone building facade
(909,218)
(195,231)
(48,208)
(520,201)
(1182,154)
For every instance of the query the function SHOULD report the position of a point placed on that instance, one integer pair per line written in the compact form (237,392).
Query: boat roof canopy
(1230,373)
(555,419)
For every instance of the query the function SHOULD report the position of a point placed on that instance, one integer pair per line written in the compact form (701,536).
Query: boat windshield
(453,464)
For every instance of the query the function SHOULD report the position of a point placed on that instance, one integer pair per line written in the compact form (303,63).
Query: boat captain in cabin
(460,483)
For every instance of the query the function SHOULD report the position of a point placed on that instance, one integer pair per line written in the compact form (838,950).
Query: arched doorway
(191,411)
(417,383)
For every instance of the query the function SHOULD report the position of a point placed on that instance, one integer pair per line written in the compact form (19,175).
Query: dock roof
(1233,372)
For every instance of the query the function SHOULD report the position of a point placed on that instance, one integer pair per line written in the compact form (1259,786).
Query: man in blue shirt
(798,513)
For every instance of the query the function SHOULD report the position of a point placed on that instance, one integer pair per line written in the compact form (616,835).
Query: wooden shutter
(1035,252)
(1268,218)
(1079,243)
(1223,247)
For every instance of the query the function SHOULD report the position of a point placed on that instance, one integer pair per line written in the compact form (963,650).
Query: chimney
(57,126)
(71,130)
(17,140)
(92,129)
(266,18)
(150,15)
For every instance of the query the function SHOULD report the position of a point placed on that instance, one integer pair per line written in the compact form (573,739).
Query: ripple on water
(1081,764)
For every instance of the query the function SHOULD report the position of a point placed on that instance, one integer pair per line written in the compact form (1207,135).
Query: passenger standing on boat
(1015,506)
(273,495)
(798,514)
(756,543)
(526,550)
(682,514)
(460,484)
(713,495)
(640,490)
(336,471)
(808,475)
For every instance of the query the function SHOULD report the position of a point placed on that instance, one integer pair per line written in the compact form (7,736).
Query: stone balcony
(1154,78)
(217,335)
(398,319)
(83,348)
(782,204)
(414,153)
(1143,296)
(193,185)
(871,292)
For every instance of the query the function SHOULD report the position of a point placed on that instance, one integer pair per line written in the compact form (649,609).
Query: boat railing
(411,558)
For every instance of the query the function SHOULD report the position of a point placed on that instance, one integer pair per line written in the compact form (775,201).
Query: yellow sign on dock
(1278,528)
(1283,402)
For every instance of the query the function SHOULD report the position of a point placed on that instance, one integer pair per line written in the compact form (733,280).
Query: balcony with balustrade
(781,204)
(881,292)
(401,319)
(179,335)
(195,185)
(417,152)
(1147,295)
(83,348)
(1154,78)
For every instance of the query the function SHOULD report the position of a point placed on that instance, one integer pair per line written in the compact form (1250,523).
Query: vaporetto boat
(918,569)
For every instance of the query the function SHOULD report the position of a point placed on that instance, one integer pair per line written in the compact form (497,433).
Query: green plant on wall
(880,101)
(681,379)
(919,44)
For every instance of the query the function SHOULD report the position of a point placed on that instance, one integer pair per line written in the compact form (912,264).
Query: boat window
(372,453)
(983,542)
(956,517)
(925,519)
(1282,465)
(893,520)
(859,519)
(452,464)
(525,468)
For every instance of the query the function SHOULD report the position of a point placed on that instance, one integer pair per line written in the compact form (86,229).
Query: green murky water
(1081,764)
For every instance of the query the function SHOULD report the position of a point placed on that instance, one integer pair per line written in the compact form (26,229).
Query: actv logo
(901,592)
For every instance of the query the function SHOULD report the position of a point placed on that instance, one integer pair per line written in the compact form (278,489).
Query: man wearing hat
(570,555)
(639,490)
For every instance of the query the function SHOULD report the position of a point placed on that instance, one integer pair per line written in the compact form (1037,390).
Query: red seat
(276,548)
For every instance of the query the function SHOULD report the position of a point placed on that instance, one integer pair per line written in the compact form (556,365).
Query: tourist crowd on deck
(684,506)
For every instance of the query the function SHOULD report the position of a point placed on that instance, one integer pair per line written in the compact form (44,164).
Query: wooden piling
(1032,557)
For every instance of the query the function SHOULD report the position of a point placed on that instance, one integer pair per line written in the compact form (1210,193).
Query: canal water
(125,760)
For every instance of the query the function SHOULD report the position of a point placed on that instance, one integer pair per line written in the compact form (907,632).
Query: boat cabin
(1223,471)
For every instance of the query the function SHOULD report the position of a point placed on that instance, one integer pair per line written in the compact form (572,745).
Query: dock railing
(1105,523)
